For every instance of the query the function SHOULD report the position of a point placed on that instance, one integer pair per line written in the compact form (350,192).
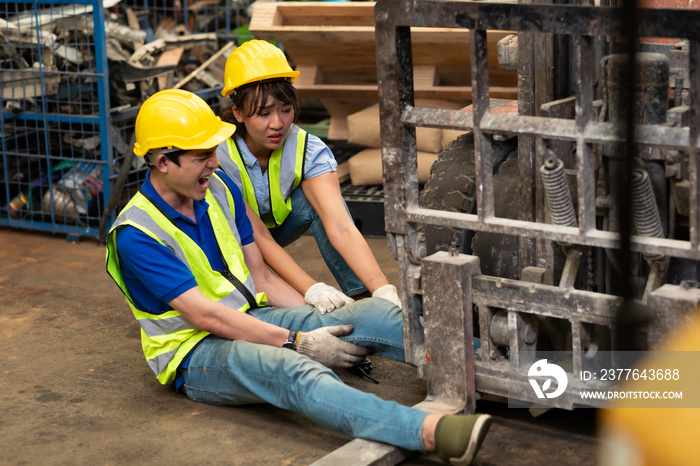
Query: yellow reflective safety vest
(285,171)
(168,337)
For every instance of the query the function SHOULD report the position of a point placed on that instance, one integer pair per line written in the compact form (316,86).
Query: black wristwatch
(291,341)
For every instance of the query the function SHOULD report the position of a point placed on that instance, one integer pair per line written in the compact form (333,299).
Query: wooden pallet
(333,46)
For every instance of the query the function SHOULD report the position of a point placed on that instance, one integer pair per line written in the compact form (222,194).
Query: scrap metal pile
(141,59)
(73,76)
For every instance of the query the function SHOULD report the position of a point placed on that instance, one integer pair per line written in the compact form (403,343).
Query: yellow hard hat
(178,118)
(254,61)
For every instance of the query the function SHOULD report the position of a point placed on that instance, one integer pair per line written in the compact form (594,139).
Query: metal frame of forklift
(439,291)
(441,346)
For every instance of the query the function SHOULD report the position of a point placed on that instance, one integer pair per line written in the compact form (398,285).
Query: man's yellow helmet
(174,118)
(255,61)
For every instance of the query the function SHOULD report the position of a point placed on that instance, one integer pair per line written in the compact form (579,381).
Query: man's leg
(299,220)
(237,372)
(377,323)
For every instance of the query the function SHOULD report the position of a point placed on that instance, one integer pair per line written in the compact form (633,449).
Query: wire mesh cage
(56,154)
(71,90)
(228,19)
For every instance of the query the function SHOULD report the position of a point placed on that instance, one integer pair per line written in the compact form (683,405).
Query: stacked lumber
(333,46)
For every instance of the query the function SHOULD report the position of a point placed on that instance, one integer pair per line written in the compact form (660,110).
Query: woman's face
(267,129)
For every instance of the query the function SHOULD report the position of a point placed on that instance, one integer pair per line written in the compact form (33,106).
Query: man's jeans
(237,372)
(300,218)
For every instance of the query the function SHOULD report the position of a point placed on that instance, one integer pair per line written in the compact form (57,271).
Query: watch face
(289,345)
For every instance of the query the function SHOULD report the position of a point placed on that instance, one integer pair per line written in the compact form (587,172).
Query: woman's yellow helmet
(255,61)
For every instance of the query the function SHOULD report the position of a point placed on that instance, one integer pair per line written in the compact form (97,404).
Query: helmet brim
(292,76)
(225,131)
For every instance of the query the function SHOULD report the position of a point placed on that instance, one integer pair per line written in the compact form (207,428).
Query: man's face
(191,177)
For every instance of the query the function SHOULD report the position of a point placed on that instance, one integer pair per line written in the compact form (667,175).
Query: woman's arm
(279,292)
(323,297)
(323,192)
(276,257)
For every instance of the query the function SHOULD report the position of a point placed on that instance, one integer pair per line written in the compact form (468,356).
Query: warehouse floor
(75,388)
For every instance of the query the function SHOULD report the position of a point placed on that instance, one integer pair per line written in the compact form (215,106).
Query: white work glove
(324,346)
(389,293)
(326,298)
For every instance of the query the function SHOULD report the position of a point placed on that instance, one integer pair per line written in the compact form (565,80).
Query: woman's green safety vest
(285,170)
(168,337)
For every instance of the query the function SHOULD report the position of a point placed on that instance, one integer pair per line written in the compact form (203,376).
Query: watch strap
(292,340)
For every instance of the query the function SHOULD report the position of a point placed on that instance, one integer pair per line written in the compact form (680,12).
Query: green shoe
(458,437)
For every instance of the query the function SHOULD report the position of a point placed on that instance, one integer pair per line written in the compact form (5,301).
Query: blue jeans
(300,218)
(236,372)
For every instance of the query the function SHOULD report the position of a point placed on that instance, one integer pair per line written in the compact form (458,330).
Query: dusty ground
(75,388)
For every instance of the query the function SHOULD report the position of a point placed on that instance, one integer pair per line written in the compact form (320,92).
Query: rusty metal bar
(577,332)
(437,118)
(529,251)
(500,384)
(555,19)
(413,337)
(531,191)
(538,251)
(552,301)
(585,163)
(693,136)
(598,238)
(482,143)
(399,157)
(594,132)
(394,65)
(447,313)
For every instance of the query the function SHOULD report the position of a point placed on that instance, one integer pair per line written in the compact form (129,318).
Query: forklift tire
(452,187)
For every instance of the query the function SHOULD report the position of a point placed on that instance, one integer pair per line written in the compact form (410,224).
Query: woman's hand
(389,293)
(326,298)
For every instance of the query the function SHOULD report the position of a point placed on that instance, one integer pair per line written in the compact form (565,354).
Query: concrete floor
(75,388)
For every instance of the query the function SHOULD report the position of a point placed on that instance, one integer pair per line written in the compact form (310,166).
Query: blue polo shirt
(155,276)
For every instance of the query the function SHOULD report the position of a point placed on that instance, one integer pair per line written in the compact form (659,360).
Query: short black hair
(172,154)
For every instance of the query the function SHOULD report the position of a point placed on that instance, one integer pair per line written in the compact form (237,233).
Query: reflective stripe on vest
(168,337)
(285,169)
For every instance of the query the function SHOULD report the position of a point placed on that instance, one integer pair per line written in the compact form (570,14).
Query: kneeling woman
(287,176)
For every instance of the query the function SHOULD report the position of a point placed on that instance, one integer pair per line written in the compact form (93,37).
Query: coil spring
(557,194)
(645,212)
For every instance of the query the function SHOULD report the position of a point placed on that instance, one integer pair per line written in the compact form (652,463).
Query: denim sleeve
(318,158)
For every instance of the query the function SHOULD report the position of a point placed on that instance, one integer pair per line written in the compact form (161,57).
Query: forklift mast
(572,216)
(604,235)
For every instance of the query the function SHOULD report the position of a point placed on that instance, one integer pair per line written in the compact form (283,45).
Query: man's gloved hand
(324,346)
(326,298)
(389,293)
